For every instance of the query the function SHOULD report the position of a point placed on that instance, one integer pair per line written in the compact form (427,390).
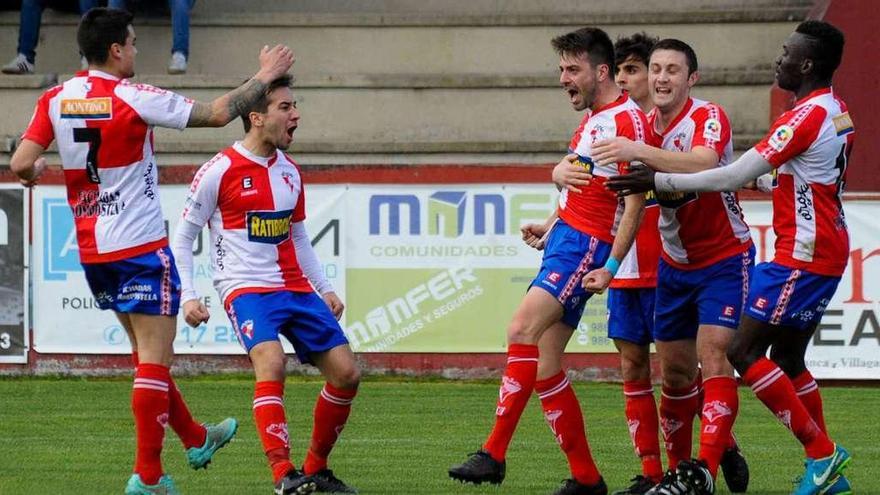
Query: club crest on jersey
(596,134)
(712,130)
(780,137)
(678,141)
(268,227)
(287,177)
(87,108)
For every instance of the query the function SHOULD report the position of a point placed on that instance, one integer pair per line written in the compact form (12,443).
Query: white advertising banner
(66,318)
(427,268)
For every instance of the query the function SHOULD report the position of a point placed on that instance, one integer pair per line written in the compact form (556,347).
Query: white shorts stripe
(784,298)
(578,274)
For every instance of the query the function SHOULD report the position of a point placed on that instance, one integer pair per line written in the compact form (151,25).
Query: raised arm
(274,62)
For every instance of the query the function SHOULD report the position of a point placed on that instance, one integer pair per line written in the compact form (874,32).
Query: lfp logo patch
(781,137)
(268,227)
(87,108)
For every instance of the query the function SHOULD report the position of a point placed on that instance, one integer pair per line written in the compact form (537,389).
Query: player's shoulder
(214,168)
(704,110)
(126,85)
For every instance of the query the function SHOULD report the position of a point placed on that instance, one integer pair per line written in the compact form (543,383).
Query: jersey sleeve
(156,106)
(40,128)
(792,134)
(633,125)
(711,128)
(203,192)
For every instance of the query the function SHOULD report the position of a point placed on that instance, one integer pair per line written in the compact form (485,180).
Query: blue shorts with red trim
(569,254)
(713,295)
(631,315)
(303,318)
(146,284)
(788,297)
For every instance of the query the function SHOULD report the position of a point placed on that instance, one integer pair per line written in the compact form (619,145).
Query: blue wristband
(612,265)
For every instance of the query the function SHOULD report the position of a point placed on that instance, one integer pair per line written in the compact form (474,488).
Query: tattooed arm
(274,63)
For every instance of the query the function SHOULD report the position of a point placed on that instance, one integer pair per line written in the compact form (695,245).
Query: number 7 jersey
(104,129)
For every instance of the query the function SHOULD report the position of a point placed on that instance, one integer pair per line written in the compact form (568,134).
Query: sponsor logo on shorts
(268,227)
(761,303)
(554,277)
(728,311)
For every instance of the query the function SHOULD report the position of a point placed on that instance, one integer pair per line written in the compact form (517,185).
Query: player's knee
(347,378)
(520,332)
(635,365)
(740,356)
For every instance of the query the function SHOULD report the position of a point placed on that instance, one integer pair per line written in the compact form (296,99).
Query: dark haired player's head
(106,39)
(672,72)
(631,56)
(810,56)
(586,62)
(273,118)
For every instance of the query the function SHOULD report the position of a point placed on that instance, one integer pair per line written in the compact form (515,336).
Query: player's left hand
(638,179)
(596,281)
(614,150)
(334,303)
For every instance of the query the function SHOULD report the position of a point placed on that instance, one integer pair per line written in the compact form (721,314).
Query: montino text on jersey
(269,227)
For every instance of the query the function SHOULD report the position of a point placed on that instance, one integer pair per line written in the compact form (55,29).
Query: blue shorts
(569,255)
(631,315)
(146,284)
(713,295)
(788,297)
(302,317)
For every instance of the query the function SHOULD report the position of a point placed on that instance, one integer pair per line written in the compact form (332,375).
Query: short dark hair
(98,29)
(637,46)
(826,50)
(592,41)
(262,103)
(678,46)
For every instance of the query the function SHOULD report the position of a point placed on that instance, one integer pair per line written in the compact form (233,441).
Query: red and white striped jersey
(809,145)
(699,229)
(249,203)
(104,130)
(595,210)
(638,270)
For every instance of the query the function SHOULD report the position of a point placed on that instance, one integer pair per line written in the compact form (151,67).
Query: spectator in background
(32,14)
(179,30)
(29,33)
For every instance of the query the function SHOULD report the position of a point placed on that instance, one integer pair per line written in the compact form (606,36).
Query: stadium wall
(68,336)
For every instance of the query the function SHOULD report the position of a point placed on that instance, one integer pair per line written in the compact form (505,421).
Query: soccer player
(582,254)
(251,195)
(631,293)
(703,273)
(808,148)
(103,125)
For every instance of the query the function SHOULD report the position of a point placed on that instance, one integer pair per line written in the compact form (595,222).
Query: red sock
(272,426)
(516,388)
(641,417)
(331,413)
(775,390)
(808,391)
(720,407)
(149,403)
(678,407)
(191,434)
(563,413)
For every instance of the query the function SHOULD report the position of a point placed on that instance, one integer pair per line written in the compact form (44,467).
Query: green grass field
(75,436)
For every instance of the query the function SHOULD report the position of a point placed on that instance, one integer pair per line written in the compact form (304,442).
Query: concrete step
(444,114)
(229,44)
